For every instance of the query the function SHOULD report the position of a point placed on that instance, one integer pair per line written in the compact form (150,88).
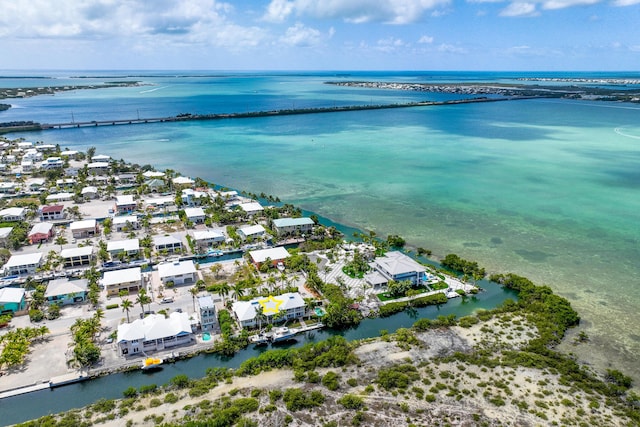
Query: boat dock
(264,338)
(54,382)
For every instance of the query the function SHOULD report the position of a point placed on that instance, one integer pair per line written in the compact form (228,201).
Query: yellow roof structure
(270,305)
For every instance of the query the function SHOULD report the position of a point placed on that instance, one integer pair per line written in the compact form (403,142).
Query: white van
(166,300)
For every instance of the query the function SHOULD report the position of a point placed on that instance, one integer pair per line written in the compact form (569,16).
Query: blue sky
(321,34)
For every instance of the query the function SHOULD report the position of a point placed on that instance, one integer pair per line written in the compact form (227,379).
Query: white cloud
(561,4)
(425,40)
(302,36)
(353,11)
(449,48)
(390,44)
(626,2)
(520,9)
(278,11)
(168,22)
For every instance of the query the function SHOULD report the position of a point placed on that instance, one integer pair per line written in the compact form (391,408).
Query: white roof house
(76,257)
(206,237)
(251,231)
(251,208)
(100,158)
(84,228)
(153,174)
(5,232)
(129,279)
(11,295)
(130,246)
(183,180)
(89,191)
(274,254)
(119,222)
(66,291)
(398,266)
(178,272)
(291,303)
(13,214)
(168,243)
(23,264)
(60,196)
(126,199)
(154,332)
(195,214)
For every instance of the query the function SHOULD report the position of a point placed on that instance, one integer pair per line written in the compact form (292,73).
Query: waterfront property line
(287,112)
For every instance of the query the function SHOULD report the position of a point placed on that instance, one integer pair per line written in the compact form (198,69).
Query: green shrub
(149,388)
(155,402)
(130,392)
(112,306)
(170,398)
(350,401)
(331,380)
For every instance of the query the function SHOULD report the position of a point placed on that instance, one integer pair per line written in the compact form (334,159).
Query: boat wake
(619,131)
(154,89)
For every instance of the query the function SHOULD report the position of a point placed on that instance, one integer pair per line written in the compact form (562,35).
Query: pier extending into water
(286,112)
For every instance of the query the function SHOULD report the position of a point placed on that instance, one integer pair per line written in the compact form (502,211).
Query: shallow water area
(543,188)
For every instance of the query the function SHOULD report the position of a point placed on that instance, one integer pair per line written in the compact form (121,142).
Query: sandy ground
(447,392)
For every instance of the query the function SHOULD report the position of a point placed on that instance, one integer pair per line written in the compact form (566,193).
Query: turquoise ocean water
(549,189)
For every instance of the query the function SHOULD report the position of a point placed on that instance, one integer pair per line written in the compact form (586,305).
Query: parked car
(166,300)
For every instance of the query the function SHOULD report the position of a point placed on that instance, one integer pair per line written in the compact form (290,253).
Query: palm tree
(194,292)
(143,299)
(260,316)
(126,305)
(237,291)
(61,240)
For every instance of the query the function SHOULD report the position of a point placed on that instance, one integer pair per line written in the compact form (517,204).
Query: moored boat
(283,334)
(151,363)
(259,339)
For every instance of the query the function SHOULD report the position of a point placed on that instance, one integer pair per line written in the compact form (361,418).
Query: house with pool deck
(155,332)
(289,306)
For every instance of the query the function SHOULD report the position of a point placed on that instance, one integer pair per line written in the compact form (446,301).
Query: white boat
(259,339)
(283,334)
(151,363)
(214,252)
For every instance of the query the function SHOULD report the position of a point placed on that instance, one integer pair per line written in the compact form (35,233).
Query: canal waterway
(32,405)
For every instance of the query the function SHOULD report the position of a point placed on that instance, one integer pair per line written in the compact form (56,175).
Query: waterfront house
(12,300)
(66,183)
(51,213)
(125,179)
(292,226)
(125,204)
(130,247)
(153,174)
(59,197)
(13,214)
(181,182)
(155,185)
(32,155)
(40,232)
(77,257)
(169,244)
(191,197)
(8,187)
(70,153)
(65,291)
(252,232)
(251,208)
(274,255)
(52,163)
(195,215)
(98,168)
(129,279)
(35,184)
(101,158)
(178,272)
(23,264)
(83,229)
(399,267)
(207,238)
(5,232)
(207,310)
(154,333)
(286,306)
